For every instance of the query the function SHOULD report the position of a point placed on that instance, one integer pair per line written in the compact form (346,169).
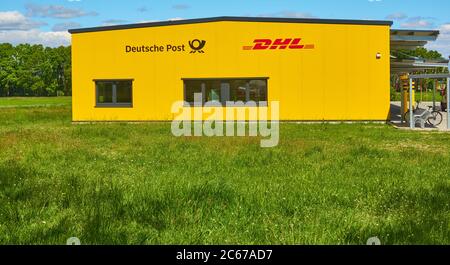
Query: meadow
(30,102)
(121,183)
(425,96)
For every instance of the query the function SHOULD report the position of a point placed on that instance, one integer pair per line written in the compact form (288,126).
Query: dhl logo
(278,44)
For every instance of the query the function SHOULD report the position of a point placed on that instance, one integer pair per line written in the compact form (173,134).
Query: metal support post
(411,118)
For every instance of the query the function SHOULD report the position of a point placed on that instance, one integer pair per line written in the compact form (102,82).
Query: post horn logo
(197,45)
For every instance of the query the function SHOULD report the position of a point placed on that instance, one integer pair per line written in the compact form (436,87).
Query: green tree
(34,70)
(419,52)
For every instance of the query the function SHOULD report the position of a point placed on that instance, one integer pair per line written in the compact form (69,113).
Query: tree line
(419,52)
(35,70)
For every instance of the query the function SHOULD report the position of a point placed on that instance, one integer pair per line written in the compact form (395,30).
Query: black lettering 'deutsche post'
(155,48)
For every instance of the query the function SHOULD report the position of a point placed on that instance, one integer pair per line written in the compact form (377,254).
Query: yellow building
(316,69)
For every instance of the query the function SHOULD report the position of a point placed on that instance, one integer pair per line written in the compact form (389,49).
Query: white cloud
(147,21)
(14,20)
(288,14)
(112,22)
(16,28)
(65,26)
(51,39)
(56,11)
(421,23)
(397,16)
(442,44)
(175,19)
(418,22)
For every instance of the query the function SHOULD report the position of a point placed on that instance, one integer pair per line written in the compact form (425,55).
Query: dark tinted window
(191,87)
(104,92)
(257,90)
(238,90)
(217,90)
(123,91)
(114,93)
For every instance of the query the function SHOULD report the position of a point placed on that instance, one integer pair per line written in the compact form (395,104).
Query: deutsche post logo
(278,44)
(197,45)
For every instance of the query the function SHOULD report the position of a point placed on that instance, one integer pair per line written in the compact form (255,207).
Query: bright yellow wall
(340,79)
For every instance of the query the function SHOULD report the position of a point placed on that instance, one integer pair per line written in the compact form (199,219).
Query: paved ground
(396,118)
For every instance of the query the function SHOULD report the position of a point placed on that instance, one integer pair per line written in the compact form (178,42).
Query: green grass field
(14,102)
(137,184)
(426,96)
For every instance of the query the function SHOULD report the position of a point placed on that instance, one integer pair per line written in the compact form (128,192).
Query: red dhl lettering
(278,44)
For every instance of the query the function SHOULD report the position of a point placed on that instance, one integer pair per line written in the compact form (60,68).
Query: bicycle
(435,118)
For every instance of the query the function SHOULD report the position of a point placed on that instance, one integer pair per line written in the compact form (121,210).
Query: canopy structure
(399,66)
(430,76)
(411,40)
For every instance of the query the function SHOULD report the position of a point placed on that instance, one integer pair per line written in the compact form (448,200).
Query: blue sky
(47,21)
